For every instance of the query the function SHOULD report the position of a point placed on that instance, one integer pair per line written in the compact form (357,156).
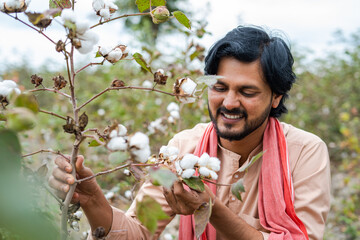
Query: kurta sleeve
(311,176)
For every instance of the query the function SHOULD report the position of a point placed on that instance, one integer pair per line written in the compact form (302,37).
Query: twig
(126,87)
(39,31)
(115,169)
(217,184)
(88,65)
(46,150)
(50,90)
(53,114)
(95,138)
(122,16)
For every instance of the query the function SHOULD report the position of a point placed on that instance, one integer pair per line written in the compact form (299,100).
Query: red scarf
(276,194)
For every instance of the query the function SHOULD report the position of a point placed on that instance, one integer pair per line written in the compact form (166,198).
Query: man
(287,190)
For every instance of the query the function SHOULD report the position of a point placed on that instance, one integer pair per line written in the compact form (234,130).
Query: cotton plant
(81,35)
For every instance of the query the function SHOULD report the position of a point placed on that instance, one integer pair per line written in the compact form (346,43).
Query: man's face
(240,102)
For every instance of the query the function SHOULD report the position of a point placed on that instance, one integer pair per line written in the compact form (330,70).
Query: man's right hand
(61,180)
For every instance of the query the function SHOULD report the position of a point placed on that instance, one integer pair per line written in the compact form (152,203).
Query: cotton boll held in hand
(188,161)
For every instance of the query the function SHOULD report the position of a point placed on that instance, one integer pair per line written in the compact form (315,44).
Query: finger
(81,170)
(171,199)
(63,163)
(58,185)
(62,176)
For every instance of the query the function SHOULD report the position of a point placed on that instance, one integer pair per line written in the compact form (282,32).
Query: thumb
(81,170)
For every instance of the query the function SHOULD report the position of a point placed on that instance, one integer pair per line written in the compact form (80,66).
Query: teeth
(232,116)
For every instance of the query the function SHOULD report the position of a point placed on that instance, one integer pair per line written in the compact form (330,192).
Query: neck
(246,145)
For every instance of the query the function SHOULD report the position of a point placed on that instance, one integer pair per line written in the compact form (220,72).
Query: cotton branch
(48,151)
(53,114)
(51,90)
(125,87)
(39,31)
(122,16)
(116,169)
(88,65)
(95,138)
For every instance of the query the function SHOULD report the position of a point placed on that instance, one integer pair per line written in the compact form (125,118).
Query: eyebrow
(244,87)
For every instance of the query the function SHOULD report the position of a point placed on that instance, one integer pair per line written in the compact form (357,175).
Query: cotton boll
(172,150)
(113,134)
(109,195)
(114,55)
(175,114)
(172,107)
(188,173)
(141,155)
(104,50)
(139,140)
(98,5)
(101,112)
(78,214)
(127,172)
(204,171)
(178,168)
(117,144)
(204,160)
(128,194)
(213,175)
(9,84)
(68,15)
(188,86)
(122,130)
(168,236)
(214,164)
(187,99)
(188,161)
(82,27)
(147,84)
(105,13)
(171,119)
(111,6)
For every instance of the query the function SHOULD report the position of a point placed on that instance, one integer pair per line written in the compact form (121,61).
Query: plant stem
(115,169)
(46,150)
(53,114)
(39,31)
(50,90)
(122,16)
(88,65)
(217,184)
(125,87)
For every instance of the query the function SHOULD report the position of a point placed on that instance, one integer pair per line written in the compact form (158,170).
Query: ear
(276,100)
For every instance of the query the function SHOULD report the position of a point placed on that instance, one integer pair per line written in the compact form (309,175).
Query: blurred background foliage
(325,101)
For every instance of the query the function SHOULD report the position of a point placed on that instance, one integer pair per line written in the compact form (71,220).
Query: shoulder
(187,140)
(305,148)
(297,136)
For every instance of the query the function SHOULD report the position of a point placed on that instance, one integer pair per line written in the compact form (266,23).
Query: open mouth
(232,116)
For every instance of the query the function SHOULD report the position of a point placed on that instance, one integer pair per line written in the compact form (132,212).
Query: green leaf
(195,183)
(180,16)
(194,55)
(20,119)
(163,177)
(202,217)
(140,60)
(251,162)
(27,101)
(98,54)
(145,4)
(149,212)
(10,149)
(94,143)
(238,188)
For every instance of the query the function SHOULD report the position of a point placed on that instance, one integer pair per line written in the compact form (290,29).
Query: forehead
(235,71)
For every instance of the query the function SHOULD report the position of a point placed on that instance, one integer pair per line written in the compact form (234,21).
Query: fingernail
(69,180)
(66,188)
(67,169)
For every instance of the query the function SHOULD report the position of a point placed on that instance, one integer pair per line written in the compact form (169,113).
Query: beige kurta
(310,169)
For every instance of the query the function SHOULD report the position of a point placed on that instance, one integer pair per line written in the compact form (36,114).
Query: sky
(308,24)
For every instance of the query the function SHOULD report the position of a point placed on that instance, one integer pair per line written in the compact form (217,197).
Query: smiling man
(287,190)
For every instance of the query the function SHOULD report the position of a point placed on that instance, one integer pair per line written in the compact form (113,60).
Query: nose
(231,100)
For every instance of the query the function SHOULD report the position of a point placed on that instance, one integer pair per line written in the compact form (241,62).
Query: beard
(249,127)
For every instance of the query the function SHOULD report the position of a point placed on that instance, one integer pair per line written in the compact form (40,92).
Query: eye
(218,88)
(249,94)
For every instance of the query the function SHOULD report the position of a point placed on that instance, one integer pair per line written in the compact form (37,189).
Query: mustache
(238,111)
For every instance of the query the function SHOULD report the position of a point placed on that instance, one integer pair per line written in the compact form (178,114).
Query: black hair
(248,44)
